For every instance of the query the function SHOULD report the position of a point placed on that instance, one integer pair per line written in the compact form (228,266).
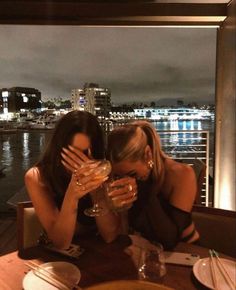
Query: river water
(21,150)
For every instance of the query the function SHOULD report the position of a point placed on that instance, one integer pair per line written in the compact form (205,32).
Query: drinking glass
(114,202)
(101,168)
(152,263)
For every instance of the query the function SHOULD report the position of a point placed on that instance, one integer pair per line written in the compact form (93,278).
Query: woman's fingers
(71,158)
(82,186)
(125,180)
(123,187)
(67,166)
(96,183)
(69,162)
(121,201)
(78,153)
(123,191)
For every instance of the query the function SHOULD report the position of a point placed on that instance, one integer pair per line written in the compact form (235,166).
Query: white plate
(202,272)
(66,270)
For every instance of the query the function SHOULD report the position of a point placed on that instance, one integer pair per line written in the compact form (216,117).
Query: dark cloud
(135,63)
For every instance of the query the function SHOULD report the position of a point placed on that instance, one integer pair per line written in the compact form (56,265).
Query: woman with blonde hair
(166,189)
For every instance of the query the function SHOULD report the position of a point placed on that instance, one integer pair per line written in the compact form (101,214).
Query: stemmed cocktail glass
(101,168)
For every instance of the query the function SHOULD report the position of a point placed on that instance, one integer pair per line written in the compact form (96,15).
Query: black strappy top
(156,219)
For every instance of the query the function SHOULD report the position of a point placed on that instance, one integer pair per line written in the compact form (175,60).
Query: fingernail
(71,147)
(64,149)
(111,184)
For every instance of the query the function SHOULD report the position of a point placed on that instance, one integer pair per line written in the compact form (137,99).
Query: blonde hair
(129,143)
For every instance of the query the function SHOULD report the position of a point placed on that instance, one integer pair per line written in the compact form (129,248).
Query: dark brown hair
(52,171)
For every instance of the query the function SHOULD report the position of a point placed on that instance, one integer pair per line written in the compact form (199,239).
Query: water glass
(114,202)
(152,263)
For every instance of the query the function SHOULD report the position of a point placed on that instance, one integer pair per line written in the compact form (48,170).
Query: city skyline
(136,64)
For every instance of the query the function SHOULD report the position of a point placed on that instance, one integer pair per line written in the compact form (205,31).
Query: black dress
(156,219)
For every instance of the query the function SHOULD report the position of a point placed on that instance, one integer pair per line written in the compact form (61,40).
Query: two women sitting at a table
(166,190)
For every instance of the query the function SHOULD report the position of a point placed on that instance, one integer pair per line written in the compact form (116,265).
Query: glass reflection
(199,125)
(7,155)
(25,150)
(191,125)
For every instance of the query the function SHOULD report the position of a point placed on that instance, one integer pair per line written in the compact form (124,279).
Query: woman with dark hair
(166,188)
(58,192)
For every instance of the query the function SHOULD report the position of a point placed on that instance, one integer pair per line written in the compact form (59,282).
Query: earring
(150,164)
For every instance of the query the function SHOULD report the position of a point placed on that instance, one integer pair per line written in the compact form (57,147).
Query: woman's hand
(123,191)
(80,186)
(73,158)
(84,179)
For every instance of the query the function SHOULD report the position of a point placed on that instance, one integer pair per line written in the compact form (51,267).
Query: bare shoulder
(33,179)
(178,170)
(36,187)
(183,186)
(32,174)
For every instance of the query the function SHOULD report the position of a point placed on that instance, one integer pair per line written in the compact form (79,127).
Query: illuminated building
(17,99)
(93,99)
(174,114)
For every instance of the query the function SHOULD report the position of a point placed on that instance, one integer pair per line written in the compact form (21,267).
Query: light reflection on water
(20,151)
(25,150)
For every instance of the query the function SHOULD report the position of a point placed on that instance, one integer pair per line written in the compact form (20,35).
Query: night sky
(136,64)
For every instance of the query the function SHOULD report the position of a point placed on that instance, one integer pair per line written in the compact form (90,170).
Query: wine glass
(102,168)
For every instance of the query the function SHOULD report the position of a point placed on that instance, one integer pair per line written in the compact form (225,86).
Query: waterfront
(20,150)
